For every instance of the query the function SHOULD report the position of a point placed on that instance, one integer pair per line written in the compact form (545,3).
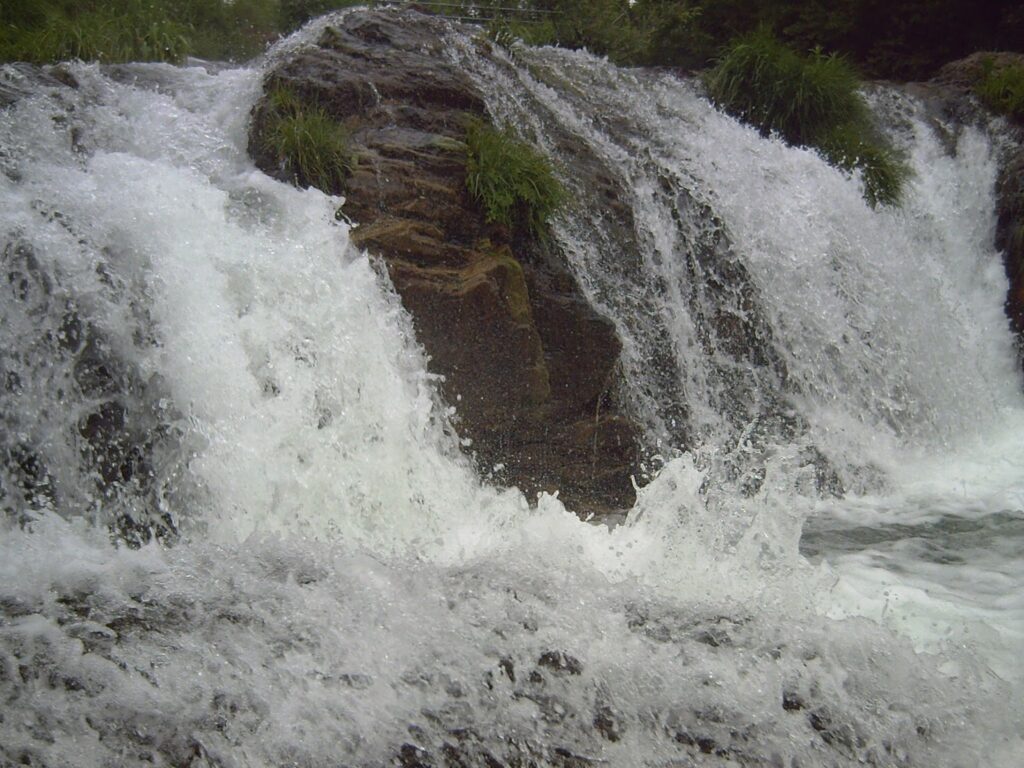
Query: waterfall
(757,293)
(238,528)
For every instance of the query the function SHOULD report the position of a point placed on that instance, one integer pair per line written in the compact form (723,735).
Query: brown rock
(528,365)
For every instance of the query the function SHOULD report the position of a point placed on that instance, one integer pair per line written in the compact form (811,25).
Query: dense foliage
(885,38)
(513,182)
(894,38)
(147,30)
(809,100)
(308,144)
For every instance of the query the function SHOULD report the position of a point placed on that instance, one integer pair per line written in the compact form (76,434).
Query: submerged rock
(527,363)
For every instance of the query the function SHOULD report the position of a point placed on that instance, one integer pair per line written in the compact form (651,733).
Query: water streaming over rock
(195,359)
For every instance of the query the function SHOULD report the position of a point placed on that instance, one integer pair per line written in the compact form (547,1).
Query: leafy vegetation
(896,38)
(42,31)
(511,180)
(810,100)
(1002,88)
(308,144)
(122,30)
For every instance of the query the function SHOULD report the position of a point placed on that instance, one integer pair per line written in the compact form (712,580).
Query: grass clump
(307,143)
(1002,88)
(511,180)
(809,100)
(771,86)
(855,147)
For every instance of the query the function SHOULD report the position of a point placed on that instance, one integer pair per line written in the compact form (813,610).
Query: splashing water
(342,590)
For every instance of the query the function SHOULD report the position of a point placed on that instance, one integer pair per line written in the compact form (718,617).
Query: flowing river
(824,565)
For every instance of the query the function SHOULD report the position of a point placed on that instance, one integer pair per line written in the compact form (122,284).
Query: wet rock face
(95,455)
(1010,232)
(527,363)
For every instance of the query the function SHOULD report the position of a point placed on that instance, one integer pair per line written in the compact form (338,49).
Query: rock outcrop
(528,365)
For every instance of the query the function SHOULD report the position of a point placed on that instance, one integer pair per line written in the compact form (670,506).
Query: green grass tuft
(857,148)
(771,86)
(511,180)
(1002,89)
(811,101)
(310,146)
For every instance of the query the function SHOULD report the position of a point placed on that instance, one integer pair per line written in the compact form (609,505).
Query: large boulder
(528,365)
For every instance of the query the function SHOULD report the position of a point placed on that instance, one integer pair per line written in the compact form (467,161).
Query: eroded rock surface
(528,364)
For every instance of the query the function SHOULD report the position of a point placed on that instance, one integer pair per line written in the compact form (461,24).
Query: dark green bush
(311,147)
(513,182)
(810,100)
(1002,89)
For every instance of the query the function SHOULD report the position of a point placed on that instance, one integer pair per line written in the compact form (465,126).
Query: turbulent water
(824,568)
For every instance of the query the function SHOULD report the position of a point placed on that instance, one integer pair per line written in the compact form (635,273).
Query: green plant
(1002,88)
(809,100)
(126,30)
(771,86)
(146,30)
(855,147)
(513,182)
(311,147)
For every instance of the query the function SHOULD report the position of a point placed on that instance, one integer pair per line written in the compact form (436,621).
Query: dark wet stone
(560,662)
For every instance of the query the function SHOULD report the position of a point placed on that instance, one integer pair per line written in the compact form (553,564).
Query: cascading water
(192,349)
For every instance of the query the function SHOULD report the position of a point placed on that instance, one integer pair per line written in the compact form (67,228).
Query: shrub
(511,181)
(1002,88)
(810,101)
(311,147)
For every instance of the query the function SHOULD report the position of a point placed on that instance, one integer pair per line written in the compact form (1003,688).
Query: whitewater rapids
(345,591)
